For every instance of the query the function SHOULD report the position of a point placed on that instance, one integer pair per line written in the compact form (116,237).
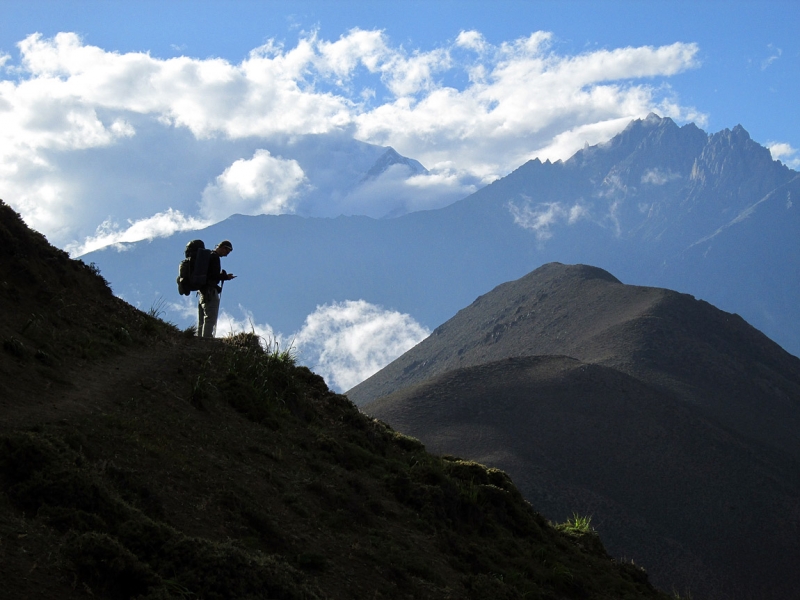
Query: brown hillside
(693,474)
(137,462)
(709,358)
(702,508)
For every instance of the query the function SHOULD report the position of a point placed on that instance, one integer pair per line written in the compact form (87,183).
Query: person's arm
(214,275)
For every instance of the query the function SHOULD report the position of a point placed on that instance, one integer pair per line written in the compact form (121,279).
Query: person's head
(224,248)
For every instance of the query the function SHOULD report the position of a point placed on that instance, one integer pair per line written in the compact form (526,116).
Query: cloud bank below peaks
(345,342)
(94,138)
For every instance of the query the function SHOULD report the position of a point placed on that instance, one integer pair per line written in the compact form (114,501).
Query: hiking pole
(221,285)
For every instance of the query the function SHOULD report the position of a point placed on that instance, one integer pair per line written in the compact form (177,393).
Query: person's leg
(209,303)
(212,312)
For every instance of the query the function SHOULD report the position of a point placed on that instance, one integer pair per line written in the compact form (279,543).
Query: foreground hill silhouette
(138,462)
(675,424)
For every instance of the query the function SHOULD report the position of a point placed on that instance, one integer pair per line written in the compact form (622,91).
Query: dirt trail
(90,386)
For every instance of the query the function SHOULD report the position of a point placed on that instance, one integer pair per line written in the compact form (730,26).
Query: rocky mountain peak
(651,144)
(390,158)
(741,166)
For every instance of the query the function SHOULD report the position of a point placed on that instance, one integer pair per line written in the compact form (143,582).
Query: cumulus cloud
(64,98)
(520,97)
(263,185)
(349,341)
(345,342)
(472,40)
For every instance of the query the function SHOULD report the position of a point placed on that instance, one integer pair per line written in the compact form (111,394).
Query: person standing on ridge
(208,303)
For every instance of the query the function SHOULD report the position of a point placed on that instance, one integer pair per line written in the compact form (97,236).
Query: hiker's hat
(225,244)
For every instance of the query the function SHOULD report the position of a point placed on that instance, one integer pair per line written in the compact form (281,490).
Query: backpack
(193,269)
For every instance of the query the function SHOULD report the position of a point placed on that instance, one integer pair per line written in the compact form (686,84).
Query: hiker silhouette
(209,297)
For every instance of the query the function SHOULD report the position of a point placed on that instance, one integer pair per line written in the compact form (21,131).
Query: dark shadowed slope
(705,356)
(673,423)
(701,508)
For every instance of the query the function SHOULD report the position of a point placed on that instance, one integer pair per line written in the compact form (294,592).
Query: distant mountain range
(709,215)
(674,424)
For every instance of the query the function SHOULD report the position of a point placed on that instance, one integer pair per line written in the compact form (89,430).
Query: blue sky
(471,89)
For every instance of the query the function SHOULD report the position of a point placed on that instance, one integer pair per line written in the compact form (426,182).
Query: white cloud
(540,218)
(230,325)
(345,342)
(359,47)
(785,153)
(263,185)
(525,97)
(185,308)
(397,192)
(64,99)
(160,225)
(564,144)
(658,176)
(351,340)
(576,213)
(472,40)
(402,75)
(407,76)
(780,150)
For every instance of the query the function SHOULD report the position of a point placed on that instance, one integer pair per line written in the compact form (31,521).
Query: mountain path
(89,387)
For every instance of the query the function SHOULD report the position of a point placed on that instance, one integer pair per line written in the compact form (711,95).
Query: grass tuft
(579,524)
(157,308)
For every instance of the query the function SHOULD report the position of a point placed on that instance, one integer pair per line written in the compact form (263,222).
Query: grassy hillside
(138,462)
(676,424)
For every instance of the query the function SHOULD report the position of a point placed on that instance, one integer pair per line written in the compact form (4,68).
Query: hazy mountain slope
(702,508)
(712,216)
(137,462)
(658,205)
